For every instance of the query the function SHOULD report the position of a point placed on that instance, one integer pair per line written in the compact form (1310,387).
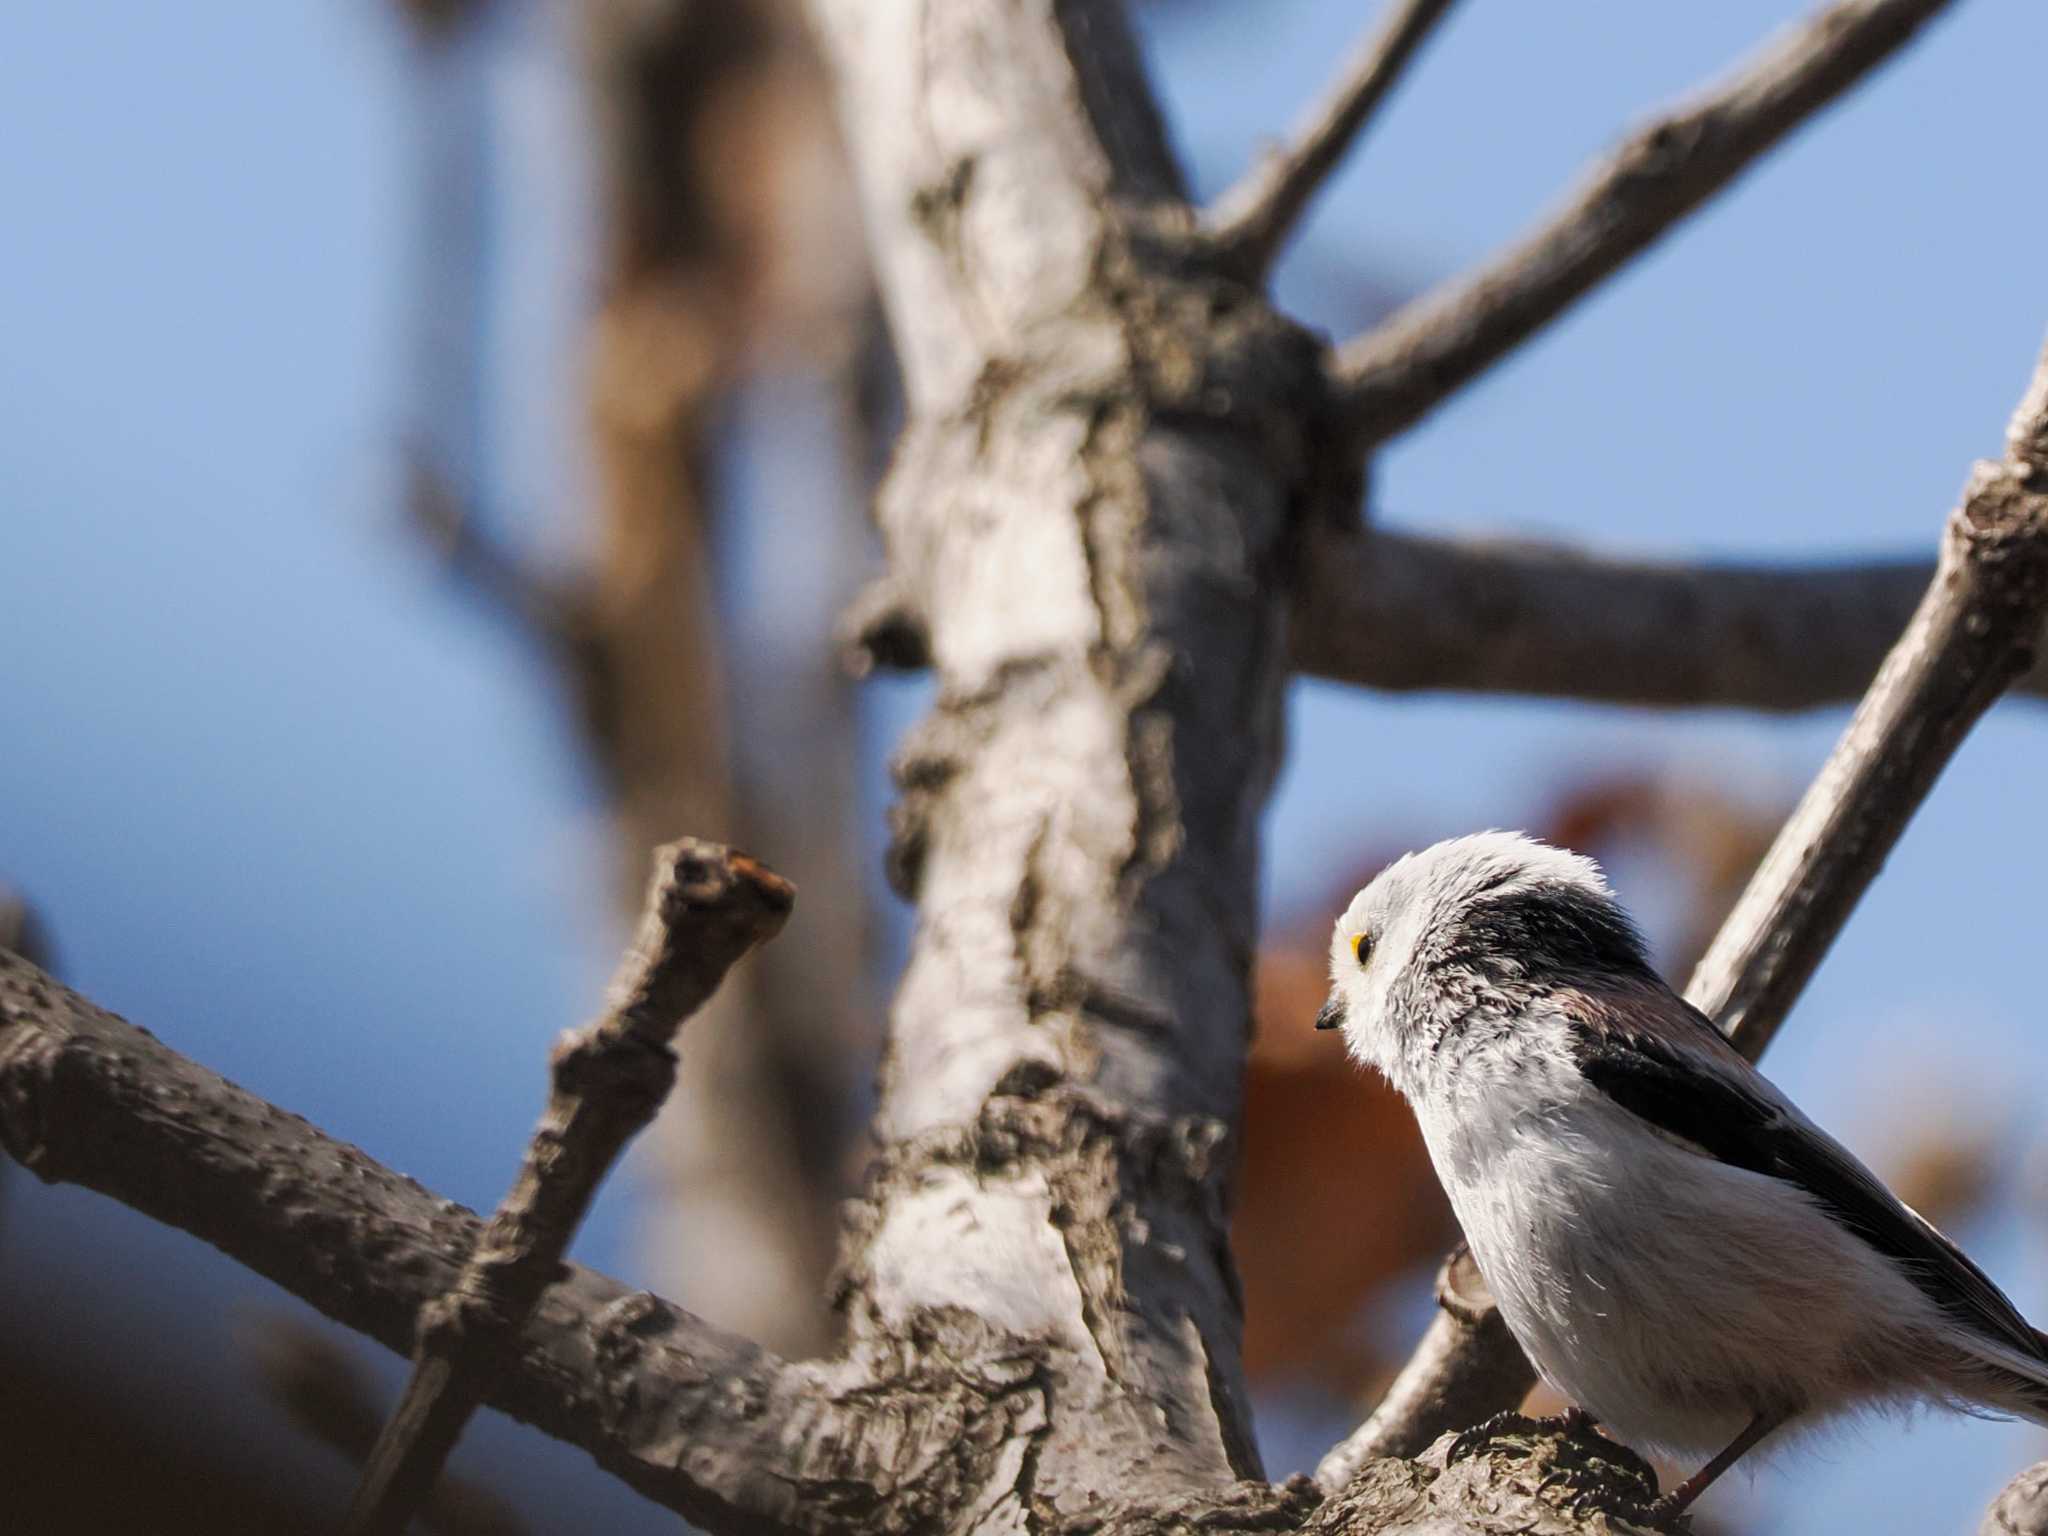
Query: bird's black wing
(1708,1104)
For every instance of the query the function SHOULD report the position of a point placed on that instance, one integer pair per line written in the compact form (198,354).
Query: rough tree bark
(1091,512)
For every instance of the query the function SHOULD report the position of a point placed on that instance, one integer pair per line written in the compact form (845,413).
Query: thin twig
(1975,631)
(1252,220)
(1395,374)
(706,908)
(1408,612)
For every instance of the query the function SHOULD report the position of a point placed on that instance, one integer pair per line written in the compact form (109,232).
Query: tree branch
(700,1421)
(1409,613)
(1975,631)
(1252,220)
(1397,373)
(1406,612)
(706,907)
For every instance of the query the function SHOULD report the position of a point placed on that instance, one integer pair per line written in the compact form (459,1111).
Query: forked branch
(1976,630)
(1252,220)
(707,906)
(1394,375)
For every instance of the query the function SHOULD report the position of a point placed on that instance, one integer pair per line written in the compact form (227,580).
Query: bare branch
(1976,630)
(1252,220)
(86,1098)
(1395,374)
(707,906)
(1406,612)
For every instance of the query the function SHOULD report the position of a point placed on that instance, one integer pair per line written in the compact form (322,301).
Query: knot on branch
(1649,161)
(1512,1474)
(466,1325)
(882,629)
(620,1068)
(1204,346)
(2002,523)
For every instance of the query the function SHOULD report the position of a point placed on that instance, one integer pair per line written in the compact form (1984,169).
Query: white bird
(1679,1251)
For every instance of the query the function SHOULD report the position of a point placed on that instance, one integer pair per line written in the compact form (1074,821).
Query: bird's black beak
(1331,1016)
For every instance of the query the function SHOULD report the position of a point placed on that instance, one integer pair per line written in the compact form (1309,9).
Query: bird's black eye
(1361,946)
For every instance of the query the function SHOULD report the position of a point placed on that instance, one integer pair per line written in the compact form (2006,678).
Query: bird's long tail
(2024,1380)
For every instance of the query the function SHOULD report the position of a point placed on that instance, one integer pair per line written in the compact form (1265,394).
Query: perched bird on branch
(1677,1248)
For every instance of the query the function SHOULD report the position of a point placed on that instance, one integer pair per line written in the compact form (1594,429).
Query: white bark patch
(987,1246)
(1005,580)
(1019,182)
(880,82)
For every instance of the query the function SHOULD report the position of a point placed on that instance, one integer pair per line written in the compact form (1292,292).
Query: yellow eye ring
(1361,948)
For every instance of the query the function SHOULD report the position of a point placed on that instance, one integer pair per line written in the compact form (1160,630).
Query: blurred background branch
(1406,612)
(725,257)
(1398,372)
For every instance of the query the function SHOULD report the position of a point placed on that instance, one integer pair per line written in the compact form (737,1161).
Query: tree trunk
(1091,513)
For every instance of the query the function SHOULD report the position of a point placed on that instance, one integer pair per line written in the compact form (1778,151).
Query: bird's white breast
(1662,1290)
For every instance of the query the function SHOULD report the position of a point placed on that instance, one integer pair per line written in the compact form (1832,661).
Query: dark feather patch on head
(1551,929)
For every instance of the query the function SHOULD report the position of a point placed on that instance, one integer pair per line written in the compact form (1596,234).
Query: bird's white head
(1493,909)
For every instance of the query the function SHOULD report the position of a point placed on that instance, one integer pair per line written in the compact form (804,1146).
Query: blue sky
(286,803)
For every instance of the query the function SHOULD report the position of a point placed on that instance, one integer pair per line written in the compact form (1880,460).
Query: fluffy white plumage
(1679,1250)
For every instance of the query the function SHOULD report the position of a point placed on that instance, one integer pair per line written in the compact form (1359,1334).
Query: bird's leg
(1578,1421)
(1678,1499)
